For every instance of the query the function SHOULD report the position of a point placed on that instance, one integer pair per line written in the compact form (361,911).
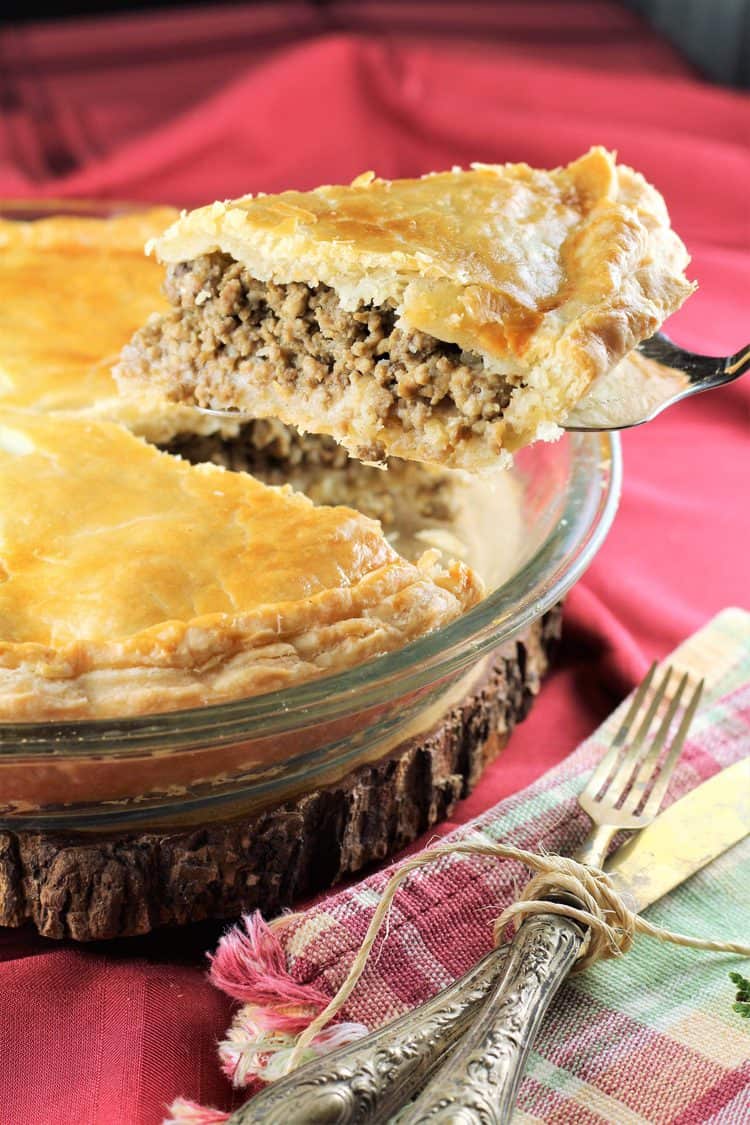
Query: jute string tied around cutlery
(610,924)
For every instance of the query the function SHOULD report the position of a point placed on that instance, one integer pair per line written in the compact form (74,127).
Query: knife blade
(685,837)
(370,1079)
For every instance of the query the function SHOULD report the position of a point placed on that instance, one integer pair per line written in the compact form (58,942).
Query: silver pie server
(659,374)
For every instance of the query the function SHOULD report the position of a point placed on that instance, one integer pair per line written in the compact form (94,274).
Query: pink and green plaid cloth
(651,1037)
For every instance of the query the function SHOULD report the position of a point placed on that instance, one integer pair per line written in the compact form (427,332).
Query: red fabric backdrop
(203,104)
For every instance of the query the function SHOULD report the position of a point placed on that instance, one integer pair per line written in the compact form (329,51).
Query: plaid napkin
(648,1038)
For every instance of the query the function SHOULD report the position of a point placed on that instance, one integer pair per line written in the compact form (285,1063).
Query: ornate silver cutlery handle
(477,1085)
(372,1079)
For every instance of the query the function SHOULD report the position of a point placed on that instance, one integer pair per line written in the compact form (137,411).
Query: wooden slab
(88,888)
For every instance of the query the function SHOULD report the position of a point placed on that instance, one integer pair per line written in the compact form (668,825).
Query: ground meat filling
(308,340)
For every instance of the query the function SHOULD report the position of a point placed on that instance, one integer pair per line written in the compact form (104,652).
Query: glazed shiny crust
(144,584)
(549,277)
(72,292)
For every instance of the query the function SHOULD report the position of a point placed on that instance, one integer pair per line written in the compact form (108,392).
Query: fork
(370,1080)
(478,1083)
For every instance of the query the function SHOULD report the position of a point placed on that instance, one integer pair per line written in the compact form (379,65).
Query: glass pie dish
(530,533)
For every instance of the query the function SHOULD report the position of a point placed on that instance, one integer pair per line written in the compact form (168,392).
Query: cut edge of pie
(449,319)
(145,584)
(73,289)
(401,495)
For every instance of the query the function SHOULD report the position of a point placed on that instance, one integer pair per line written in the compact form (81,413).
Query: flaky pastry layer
(541,281)
(142,583)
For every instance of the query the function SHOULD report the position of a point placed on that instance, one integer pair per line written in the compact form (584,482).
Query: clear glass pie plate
(530,532)
(531,538)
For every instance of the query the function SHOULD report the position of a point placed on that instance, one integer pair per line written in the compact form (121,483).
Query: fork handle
(478,1083)
(372,1079)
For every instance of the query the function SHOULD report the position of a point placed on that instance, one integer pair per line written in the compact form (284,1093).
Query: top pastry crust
(133,582)
(72,292)
(534,283)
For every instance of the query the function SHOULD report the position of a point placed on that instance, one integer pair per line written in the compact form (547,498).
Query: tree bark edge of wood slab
(118,885)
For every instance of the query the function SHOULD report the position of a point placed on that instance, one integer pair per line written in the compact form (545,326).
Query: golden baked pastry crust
(72,292)
(547,279)
(143,584)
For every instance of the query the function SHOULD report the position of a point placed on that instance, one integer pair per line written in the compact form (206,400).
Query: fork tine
(648,764)
(660,787)
(603,770)
(630,761)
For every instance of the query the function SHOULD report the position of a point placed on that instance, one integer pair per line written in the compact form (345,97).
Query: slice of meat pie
(449,319)
(132,581)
